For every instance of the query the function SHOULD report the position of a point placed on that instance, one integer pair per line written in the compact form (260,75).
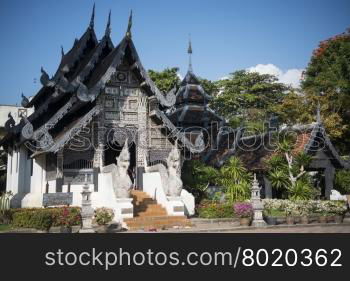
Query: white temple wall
(9,172)
(14,172)
(37,183)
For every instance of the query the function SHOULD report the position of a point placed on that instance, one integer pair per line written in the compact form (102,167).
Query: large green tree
(165,80)
(248,97)
(169,78)
(327,80)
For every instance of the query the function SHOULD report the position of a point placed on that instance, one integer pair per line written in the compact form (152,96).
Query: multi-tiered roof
(67,101)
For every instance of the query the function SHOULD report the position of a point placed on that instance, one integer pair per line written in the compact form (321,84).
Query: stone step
(157,218)
(136,225)
(151,214)
(148,207)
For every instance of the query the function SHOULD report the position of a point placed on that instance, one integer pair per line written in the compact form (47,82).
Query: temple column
(98,135)
(59,175)
(267,187)
(329,180)
(142,143)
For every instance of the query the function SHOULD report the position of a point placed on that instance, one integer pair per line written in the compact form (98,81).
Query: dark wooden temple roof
(79,79)
(256,150)
(191,107)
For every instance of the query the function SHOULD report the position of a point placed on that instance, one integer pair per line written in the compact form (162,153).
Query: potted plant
(290,212)
(338,209)
(304,210)
(322,211)
(244,211)
(271,211)
(103,216)
(67,220)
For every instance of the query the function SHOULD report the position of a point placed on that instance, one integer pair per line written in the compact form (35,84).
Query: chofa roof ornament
(108,27)
(128,31)
(24,101)
(45,79)
(10,123)
(92,20)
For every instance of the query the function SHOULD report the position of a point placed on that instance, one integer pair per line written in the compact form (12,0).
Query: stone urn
(271,220)
(290,220)
(244,221)
(330,218)
(304,220)
(338,218)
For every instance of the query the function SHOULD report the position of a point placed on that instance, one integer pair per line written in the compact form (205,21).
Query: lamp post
(86,211)
(257,204)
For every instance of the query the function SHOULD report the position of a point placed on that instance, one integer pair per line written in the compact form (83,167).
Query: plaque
(57,199)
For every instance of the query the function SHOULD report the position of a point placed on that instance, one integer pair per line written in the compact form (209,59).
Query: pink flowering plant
(243,209)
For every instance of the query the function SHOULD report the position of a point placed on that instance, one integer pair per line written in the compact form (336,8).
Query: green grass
(5,227)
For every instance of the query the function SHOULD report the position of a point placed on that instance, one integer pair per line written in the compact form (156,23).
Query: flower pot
(65,229)
(290,220)
(244,221)
(304,220)
(330,218)
(322,219)
(271,220)
(338,219)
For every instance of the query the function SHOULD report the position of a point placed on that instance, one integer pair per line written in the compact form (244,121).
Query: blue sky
(227,35)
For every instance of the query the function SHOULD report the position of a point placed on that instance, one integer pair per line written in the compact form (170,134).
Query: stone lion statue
(122,182)
(171,180)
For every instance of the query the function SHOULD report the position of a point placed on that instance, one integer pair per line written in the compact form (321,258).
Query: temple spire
(92,20)
(318,116)
(189,51)
(128,31)
(108,27)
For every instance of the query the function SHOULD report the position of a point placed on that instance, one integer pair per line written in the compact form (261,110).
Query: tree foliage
(165,80)
(327,80)
(248,96)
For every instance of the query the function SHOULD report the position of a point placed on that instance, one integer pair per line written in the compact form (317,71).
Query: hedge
(41,218)
(212,209)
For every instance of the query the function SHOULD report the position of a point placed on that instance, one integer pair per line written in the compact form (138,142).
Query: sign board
(57,199)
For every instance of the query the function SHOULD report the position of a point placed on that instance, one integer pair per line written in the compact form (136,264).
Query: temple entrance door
(132,167)
(113,152)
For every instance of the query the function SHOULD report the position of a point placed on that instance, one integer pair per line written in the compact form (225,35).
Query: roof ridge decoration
(10,123)
(199,144)
(62,51)
(92,20)
(24,101)
(189,51)
(108,27)
(128,31)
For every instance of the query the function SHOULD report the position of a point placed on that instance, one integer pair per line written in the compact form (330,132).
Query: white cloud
(289,77)
(180,76)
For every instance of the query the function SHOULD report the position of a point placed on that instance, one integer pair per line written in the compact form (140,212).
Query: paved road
(313,229)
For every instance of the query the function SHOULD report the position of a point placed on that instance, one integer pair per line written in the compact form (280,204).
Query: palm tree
(236,179)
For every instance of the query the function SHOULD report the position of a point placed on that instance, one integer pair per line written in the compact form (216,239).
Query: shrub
(342,181)
(103,215)
(243,209)
(304,207)
(212,209)
(336,207)
(43,218)
(274,207)
(67,218)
